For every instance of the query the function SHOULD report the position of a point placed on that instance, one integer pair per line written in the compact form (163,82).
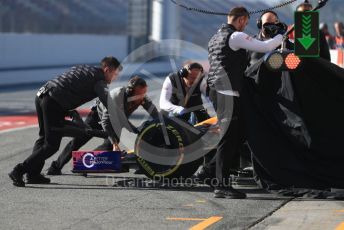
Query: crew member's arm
(202,114)
(132,128)
(148,105)
(240,40)
(102,91)
(106,123)
(203,86)
(206,102)
(165,96)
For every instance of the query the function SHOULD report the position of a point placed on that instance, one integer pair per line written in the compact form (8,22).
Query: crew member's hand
(116,147)
(179,111)
(73,114)
(135,130)
(282,28)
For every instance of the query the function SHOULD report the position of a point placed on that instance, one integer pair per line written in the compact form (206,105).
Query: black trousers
(229,114)
(50,114)
(76,143)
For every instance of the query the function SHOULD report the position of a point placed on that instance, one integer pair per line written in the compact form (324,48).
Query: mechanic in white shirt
(228,61)
(181,93)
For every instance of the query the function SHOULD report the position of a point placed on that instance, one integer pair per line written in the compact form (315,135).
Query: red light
(292,61)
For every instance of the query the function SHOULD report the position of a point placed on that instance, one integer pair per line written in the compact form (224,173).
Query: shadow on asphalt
(144,184)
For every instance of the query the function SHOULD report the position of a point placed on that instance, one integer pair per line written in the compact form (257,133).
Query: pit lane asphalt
(75,202)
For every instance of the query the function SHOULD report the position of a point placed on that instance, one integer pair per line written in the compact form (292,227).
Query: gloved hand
(282,28)
(135,130)
(179,111)
(273,29)
(270,29)
(72,113)
(76,118)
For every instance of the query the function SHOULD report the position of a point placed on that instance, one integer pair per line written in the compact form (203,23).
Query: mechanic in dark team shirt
(125,100)
(53,102)
(228,61)
(129,97)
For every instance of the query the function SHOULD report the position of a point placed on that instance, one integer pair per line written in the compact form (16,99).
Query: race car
(168,148)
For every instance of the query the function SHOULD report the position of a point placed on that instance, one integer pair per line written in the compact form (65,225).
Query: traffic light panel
(307,34)
(282,61)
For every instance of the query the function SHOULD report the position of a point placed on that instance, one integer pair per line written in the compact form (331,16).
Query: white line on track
(18,129)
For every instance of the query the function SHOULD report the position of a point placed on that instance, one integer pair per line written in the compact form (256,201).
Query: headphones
(259,20)
(130,88)
(184,72)
(133,82)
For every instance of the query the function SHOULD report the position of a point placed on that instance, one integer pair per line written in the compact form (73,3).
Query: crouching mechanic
(126,99)
(181,93)
(181,97)
(53,102)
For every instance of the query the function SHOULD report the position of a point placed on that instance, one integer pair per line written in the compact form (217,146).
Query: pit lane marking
(17,129)
(205,222)
(340,210)
(340,226)
(201,201)
(185,219)
(188,205)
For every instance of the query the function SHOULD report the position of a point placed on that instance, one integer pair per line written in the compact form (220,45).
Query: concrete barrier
(37,57)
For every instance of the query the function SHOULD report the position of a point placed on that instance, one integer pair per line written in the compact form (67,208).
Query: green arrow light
(306,34)
(306,41)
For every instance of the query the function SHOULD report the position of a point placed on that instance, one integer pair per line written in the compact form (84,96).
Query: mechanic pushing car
(53,102)
(129,97)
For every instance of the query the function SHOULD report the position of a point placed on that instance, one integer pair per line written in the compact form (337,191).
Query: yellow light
(275,61)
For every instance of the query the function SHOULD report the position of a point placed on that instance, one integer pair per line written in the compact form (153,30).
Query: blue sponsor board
(96,161)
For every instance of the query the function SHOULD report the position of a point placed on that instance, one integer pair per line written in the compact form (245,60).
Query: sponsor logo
(89,160)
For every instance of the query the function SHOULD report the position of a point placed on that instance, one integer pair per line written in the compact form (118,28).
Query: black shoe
(139,171)
(37,179)
(202,174)
(203,177)
(229,192)
(53,170)
(17,176)
(125,169)
(220,193)
(233,193)
(246,172)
